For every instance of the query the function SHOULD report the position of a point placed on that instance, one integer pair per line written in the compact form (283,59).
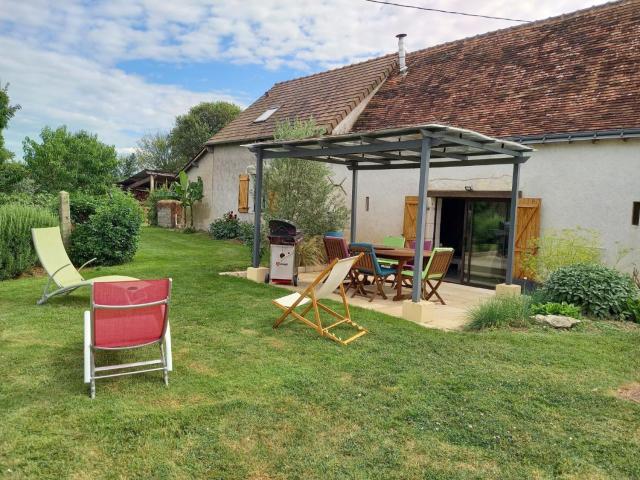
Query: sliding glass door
(485,242)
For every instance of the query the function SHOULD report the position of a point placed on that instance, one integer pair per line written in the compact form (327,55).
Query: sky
(124,68)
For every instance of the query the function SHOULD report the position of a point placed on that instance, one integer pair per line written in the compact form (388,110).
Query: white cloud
(61,57)
(55,89)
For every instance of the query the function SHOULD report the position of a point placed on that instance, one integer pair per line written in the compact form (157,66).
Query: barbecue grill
(283,237)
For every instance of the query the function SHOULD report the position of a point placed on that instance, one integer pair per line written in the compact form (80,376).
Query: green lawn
(247,401)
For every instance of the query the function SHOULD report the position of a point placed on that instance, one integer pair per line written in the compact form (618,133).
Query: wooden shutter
(243,194)
(410,214)
(527,231)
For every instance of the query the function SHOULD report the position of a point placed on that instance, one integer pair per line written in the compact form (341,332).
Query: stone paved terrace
(452,316)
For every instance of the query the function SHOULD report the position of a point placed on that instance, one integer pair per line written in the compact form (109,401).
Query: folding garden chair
(368,265)
(434,271)
(336,247)
(332,277)
(127,315)
(391,241)
(54,259)
(427,245)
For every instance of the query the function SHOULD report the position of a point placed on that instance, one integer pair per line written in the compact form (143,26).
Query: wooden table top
(395,253)
(399,253)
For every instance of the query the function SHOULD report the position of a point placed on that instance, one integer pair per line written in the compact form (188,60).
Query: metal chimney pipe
(401,53)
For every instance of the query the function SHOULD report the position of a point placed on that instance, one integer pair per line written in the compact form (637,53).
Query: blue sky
(123,68)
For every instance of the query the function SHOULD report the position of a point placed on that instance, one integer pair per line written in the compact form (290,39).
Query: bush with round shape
(82,205)
(110,234)
(17,254)
(599,290)
(225,228)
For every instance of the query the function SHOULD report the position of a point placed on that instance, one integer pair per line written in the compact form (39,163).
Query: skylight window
(265,116)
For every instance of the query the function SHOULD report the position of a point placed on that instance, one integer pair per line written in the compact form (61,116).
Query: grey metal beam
(453,163)
(257,210)
(459,140)
(341,150)
(354,205)
(425,156)
(511,247)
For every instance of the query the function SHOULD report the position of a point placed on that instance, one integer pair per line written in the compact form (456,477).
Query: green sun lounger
(54,259)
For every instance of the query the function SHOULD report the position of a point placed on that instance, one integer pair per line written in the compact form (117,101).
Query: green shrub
(16,249)
(82,205)
(553,308)
(154,197)
(632,311)
(556,249)
(503,311)
(245,233)
(226,228)
(598,290)
(110,234)
(46,201)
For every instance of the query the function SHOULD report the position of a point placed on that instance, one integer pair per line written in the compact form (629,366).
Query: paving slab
(452,316)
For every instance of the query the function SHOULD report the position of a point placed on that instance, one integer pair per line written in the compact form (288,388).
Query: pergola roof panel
(399,148)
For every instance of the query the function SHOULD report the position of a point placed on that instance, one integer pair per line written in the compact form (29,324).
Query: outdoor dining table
(402,256)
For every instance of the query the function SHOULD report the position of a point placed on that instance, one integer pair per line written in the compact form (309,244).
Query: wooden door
(527,231)
(410,215)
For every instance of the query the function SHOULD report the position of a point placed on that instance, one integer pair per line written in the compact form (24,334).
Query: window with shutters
(243,194)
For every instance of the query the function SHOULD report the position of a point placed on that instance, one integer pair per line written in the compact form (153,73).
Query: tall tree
(7,111)
(198,125)
(154,152)
(127,166)
(70,161)
(301,190)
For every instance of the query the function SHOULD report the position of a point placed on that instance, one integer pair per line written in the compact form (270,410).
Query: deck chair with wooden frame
(332,277)
(434,271)
(127,315)
(336,247)
(54,259)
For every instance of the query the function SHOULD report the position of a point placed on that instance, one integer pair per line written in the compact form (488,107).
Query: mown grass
(247,401)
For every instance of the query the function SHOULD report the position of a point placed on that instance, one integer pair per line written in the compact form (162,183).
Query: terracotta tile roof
(577,72)
(327,96)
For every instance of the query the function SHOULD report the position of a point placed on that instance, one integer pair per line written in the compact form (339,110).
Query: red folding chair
(126,315)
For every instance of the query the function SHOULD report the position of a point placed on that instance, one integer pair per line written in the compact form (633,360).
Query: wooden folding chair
(332,277)
(435,271)
(368,266)
(336,247)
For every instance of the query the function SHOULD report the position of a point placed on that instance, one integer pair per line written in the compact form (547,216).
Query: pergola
(420,147)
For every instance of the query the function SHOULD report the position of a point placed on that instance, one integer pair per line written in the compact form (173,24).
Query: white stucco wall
(220,171)
(582,184)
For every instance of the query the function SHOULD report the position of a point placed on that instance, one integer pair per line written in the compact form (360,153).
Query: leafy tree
(12,177)
(70,161)
(197,126)
(154,152)
(188,193)
(127,166)
(7,111)
(300,190)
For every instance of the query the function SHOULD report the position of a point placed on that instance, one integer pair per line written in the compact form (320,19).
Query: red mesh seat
(125,315)
(128,327)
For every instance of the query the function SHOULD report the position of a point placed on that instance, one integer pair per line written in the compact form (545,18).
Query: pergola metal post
(354,205)
(512,222)
(257,209)
(425,156)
